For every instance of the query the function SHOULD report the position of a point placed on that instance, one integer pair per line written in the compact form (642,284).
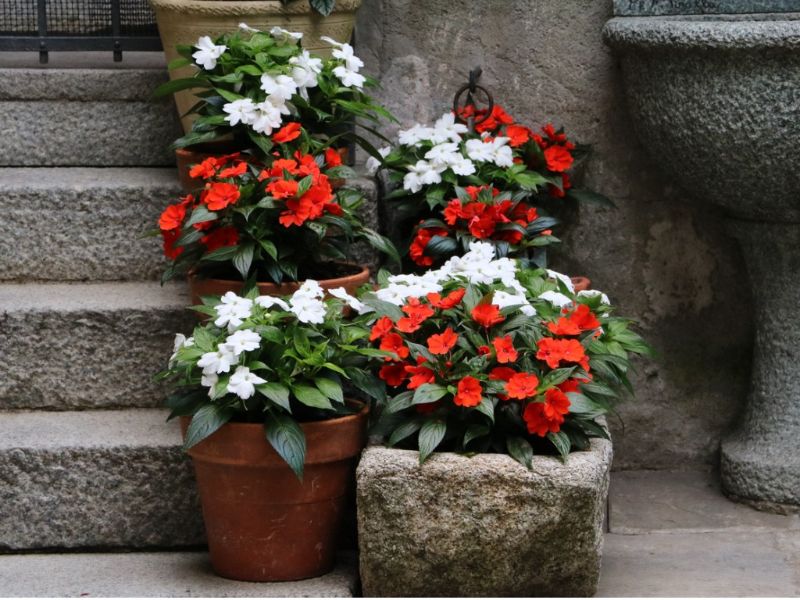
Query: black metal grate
(46,25)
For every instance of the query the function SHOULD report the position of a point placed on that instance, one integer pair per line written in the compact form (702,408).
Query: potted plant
(496,181)
(250,84)
(513,366)
(260,389)
(277,224)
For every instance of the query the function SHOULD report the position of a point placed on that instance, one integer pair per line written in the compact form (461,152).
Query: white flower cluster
(242,382)
(448,151)
(478,266)
(266,116)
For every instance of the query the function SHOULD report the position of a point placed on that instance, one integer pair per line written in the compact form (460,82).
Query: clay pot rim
(316,425)
(330,283)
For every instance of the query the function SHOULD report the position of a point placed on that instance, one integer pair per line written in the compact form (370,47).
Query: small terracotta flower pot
(262,523)
(199,287)
(581,283)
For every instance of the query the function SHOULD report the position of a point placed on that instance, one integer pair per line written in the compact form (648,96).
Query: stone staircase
(87,461)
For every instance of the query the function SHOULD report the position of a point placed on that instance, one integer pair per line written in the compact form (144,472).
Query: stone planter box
(481,526)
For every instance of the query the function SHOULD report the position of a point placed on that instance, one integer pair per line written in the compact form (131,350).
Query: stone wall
(658,255)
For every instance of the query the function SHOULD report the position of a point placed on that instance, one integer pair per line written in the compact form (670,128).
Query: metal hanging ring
(471,88)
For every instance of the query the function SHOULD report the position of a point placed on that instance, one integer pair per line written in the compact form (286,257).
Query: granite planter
(716,101)
(481,526)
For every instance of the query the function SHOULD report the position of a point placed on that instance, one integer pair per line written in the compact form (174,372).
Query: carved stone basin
(716,102)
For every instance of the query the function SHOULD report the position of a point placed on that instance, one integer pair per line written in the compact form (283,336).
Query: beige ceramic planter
(183,21)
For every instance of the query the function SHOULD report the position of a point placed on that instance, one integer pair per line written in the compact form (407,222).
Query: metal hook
(472,88)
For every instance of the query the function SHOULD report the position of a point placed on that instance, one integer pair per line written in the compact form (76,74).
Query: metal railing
(44,26)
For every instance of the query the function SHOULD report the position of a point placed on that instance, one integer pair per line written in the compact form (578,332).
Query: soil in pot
(262,523)
(329,275)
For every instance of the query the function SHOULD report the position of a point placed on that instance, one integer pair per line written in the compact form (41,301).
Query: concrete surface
(675,534)
(482,525)
(662,258)
(72,224)
(93,345)
(167,574)
(95,479)
(629,8)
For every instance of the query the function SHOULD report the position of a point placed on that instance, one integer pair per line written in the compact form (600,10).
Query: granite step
(96,480)
(147,574)
(83,223)
(87,345)
(85,116)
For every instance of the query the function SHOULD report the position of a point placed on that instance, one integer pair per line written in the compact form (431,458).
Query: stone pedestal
(482,525)
(761,460)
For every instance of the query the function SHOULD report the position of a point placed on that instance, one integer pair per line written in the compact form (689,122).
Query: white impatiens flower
(209,380)
(207,53)
(401,287)
(503,299)
(240,111)
(217,362)
(443,154)
(305,69)
(349,78)
(446,128)
(557,299)
(331,41)
(267,117)
(243,340)
(351,301)
(594,294)
(422,173)
(306,303)
(270,301)
(247,29)
(480,151)
(232,311)
(414,135)
(243,383)
(462,166)
(565,279)
(284,36)
(503,155)
(181,341)
(351,61)
(373,164)
(310,289)
(280,88)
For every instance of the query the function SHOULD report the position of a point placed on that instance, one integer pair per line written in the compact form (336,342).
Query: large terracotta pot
(262,523)
(199,287)
(183,21)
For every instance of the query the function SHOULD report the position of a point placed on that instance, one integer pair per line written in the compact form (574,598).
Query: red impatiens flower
(420,375)
(416,314)
(570,385)
(381,328)
(417,249)
(450,301)
(522,385)
(393,374)
(332,158)
(238,169)
(487,315)
(494,120)
(220,237)
(546,417)
(501,373)
(170,237)
(205,169)
(581,319)
(557,192)
(553,351)
(392,342)
(287,133)
(558,159)
(282,188)
(505,350)
(217,196)
(442,343)
(279,168)
(517,135)
(468,392)
(484,350)
(172,217)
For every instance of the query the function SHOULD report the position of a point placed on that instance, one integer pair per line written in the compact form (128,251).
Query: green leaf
(520,450)
(367,383)
(243,259)
(204,422)
(269,248)
(530,180)
(555,377)
(200,215)
(561,442)
(403,431)
(591,197)
(176,85)
(382,244)
(441,246)
(429,392)
(580,404)
(276,392)
(263,142)
(288,440)
(311,397)
(486,407)
(400,402)
(330,388)
(474,432)
(184,404)
(304,185)
(431,435)
(221,254)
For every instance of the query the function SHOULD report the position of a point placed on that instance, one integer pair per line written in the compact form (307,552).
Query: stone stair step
(143,574)
(80,223)
(85,117)
(89,345)
(95,479)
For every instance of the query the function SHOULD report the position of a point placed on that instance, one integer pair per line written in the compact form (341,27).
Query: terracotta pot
(262,523)
(199,287)
(581,283)
(183,21)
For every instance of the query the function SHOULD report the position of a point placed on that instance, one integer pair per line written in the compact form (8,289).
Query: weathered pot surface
(199,287)
(262,523)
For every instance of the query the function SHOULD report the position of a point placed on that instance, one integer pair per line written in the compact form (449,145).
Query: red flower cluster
(284,177)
